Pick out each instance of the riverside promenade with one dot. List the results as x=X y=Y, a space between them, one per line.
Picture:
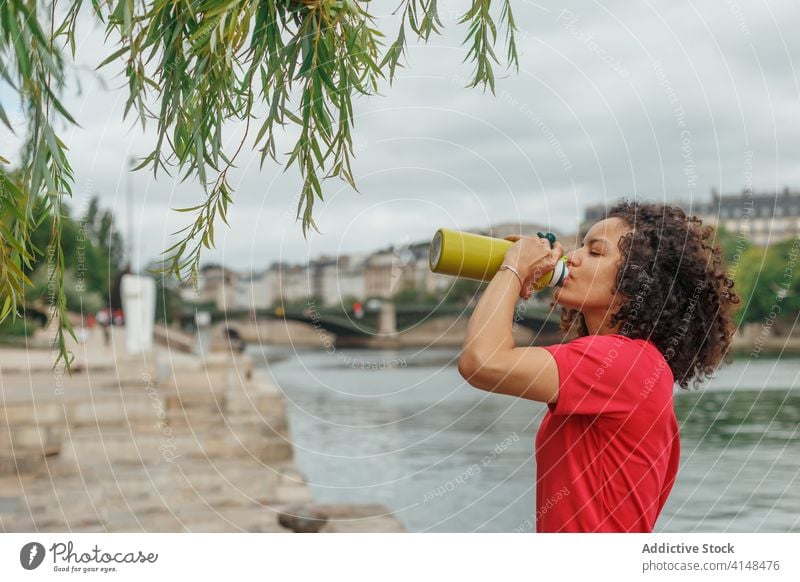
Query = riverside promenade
x=171 y=442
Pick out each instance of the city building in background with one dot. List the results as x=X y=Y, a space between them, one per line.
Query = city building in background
x=216 y=285
x=342 y=280
x=763 y=219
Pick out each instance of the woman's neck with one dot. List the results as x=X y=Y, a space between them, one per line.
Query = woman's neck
x=597 y=323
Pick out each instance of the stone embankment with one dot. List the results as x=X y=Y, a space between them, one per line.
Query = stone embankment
x=174 y=444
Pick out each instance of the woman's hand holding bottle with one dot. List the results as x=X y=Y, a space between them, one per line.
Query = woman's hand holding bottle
x=532 y=258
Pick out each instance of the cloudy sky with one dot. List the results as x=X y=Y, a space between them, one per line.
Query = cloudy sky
x=657 y=100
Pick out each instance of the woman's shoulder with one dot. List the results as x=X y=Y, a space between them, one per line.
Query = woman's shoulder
x=625 y=349
x=617 y=358
x=617 y=343
x=646 y=347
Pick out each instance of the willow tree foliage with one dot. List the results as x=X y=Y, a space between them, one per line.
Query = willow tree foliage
x=191 y=66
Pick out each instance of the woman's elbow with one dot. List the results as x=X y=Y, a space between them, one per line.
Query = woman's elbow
x=466 y=367
x=473 y=369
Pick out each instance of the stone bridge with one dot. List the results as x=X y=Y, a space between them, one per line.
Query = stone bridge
x=390 y=326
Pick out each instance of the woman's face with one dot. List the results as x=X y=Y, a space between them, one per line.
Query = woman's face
x=593 y=269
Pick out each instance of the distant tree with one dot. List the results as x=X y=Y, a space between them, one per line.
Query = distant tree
x=81 y=296
x=168 y=302
x=100 y=229
x=732 y=245
x=16 y=327
x=768 y=281
x=87 y=255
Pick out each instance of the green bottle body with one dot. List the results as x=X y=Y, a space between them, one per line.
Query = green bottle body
x=478 y=257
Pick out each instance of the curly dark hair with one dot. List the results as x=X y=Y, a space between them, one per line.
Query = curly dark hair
x=675 y=290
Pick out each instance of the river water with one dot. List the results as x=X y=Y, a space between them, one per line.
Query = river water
x=402 y=428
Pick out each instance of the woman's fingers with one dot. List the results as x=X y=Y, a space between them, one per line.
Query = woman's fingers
x=524 y=292
x=533 y=257
x=558 y=250
x=527 y=291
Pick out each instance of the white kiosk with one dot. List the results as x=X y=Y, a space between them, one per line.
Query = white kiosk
x=139 y=304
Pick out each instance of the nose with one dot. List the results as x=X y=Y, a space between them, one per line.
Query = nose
x=572 y=258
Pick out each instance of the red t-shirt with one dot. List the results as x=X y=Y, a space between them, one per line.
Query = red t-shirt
x=607 y=451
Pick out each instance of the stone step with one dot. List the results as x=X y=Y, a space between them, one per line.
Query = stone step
x=129 y=408
x=31 y=413
x=25 y=449
x=196 y=386
x=16 y=441
x=254 y=444
x=210 y=512
x=172 y=514
x=190 y=405
x=200 y=447
x=246 y=482
x=195 y=419
x=115 y=445
x=195 y=404
x=237 y=519
x=201 y=519
x=367 y=518
x=152 y=447
x=343 y=518
x=78 y=509
x=33 y=464
x=239 y=400
x=141 y=498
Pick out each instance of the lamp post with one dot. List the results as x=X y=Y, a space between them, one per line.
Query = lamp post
x=129 y=210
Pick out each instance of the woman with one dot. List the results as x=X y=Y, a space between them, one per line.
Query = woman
x=650 y=305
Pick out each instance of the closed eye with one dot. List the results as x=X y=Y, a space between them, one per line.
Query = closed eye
x=593 y=252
